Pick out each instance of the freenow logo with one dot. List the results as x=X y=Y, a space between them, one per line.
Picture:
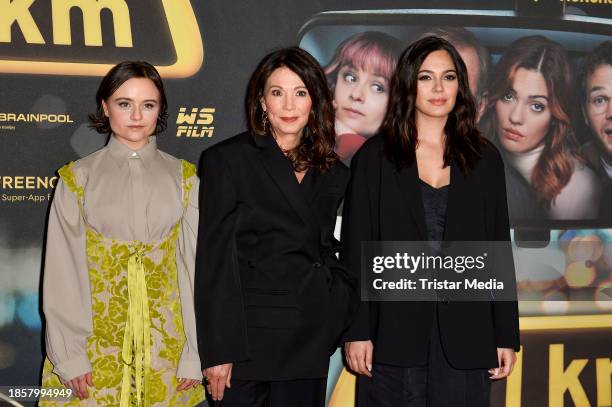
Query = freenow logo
x=88 y=37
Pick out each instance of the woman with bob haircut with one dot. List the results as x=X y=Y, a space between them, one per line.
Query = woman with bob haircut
x=359 y=74
x=120 y=258
x=428 y=176
x=528 y=116
x=271 y=297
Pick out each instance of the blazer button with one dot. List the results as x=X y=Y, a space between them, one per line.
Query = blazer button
x=444 y=300
x=316 y=265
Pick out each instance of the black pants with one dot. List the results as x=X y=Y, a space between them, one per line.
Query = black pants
x=436 y=385
x=294 y=393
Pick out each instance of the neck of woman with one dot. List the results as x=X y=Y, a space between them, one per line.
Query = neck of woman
x=525 y=162
x=430 y=129
x=287 y=141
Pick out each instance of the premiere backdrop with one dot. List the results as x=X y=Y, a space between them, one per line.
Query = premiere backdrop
x=53 y=54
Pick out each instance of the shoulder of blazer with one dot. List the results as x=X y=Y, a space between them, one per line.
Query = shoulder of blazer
x=371 y=150
x=230 y=146
x=491 y=163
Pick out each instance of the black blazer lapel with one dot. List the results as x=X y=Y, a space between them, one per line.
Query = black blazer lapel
x=280 y=170
x=408 y=183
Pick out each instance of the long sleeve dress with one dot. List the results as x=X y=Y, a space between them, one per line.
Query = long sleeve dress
x=118 y=277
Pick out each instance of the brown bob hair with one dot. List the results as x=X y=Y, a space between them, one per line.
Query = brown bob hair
x=463 y=144
x=117 y=76
x=316 y=147
x=537 y=53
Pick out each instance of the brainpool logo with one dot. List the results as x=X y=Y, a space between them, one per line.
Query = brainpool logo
x=21 y=22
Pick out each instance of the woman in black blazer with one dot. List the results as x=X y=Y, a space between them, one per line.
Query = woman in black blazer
x=271 y=297
x=429 y=176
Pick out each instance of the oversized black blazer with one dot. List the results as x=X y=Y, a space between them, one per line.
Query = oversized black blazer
x=385 y=204
x=270 y=294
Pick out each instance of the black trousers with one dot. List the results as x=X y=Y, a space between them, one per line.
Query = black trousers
x=294 y=393
x=437 y=384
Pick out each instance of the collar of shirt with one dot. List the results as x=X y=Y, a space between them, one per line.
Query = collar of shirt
x=121 y=153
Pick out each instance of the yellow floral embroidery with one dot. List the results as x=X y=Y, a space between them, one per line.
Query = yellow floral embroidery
x=108 y=262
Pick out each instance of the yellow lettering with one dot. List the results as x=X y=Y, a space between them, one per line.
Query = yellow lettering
x=514 y=382
x=7 y=182
x=42 y=182
x=18 y=181
x=560 y=379
x=18 y=11
x=92 y=24
x=3 y=117
x=12 y=117
x=604 y=385
x=183 y=117
x=21 y=118
x=206 y=115
x=29 y=182
x=53 y=182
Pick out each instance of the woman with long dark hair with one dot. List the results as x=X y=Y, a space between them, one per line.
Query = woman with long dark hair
x=428 y=176
x=120 y=258
x=528 y=115
x=271 y=297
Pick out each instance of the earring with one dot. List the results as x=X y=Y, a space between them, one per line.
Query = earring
x=264 y=120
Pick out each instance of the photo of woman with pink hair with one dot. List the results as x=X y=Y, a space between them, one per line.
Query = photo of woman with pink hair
x=359 y=74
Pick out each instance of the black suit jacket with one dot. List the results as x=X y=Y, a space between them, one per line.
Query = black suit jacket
x=385 y=204
x=270 y=294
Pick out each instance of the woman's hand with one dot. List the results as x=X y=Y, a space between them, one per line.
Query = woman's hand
x=359 y=356
x=79 y=384
x=186 y=384
x=505 y=359
x=217 y=377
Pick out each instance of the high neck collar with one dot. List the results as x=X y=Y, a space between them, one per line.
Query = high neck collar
x=121 y=153
x=525 y=162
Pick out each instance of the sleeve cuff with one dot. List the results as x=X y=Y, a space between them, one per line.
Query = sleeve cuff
x=71 y=368
x=189 y=369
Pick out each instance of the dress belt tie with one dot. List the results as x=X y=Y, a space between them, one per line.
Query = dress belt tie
x=137 y=335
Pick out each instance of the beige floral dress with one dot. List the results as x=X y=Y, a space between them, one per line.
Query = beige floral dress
x=118 y=278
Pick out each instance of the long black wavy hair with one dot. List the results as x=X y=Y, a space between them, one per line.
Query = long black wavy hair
x=463 y=143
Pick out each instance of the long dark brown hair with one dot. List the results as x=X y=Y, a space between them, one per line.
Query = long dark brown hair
x=117 y=76
x=316 y=147
x=536 y=53
x=463 y=142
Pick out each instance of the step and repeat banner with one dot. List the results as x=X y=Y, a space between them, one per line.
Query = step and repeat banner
x=53 y=54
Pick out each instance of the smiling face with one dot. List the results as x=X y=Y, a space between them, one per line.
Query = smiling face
x=287 y=102
x=598 y=106
x=437 y=85
x=523 y=113
x=360 y=99
x=132 y=111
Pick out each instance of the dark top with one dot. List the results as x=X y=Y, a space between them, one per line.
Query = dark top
x=384 y=203
x=434 y=203
x=270 y=294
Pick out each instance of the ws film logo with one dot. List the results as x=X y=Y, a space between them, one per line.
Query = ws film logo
x=53 y=51
x=197 y=123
